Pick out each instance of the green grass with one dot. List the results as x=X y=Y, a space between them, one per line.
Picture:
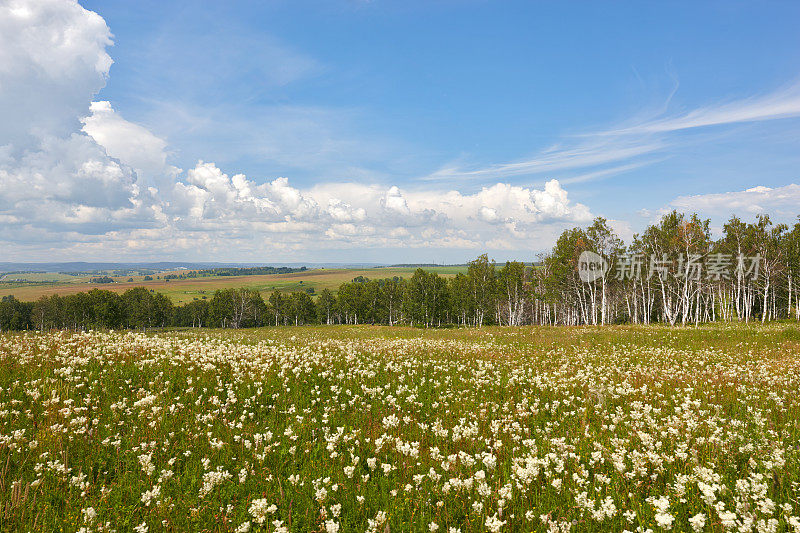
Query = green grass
x=540 y=423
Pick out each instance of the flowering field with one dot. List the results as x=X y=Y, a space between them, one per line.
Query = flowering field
x=392 y=429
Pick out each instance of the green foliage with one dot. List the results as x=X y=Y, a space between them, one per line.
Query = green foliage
x=251 y=271
x=14 y=315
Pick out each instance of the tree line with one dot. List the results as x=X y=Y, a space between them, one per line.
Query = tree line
x=674 y=272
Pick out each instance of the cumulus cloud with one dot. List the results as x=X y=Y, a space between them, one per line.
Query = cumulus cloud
x=370 y=214
x=52 y=177
x=132 y=144
x=52 y=60
x=344 y=212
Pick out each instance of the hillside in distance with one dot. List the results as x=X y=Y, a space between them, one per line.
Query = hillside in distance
x=180 y=288
x=84 y=266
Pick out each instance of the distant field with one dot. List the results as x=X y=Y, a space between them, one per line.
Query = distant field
x=186 y=290
x=41 y=277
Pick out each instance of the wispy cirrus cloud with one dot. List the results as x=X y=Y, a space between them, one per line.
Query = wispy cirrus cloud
x=608 y=172
x=631 y=142
x=783 y=103
x=585 y=155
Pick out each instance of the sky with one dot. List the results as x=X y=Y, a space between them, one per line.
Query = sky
x=391 y=132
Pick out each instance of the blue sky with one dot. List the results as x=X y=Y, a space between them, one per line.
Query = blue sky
x=634 y=108
x=423 y=84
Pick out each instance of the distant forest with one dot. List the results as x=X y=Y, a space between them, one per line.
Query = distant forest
x=234 y=271
x=673 y=272
x=251 y=271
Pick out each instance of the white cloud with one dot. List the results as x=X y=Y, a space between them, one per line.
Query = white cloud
x=52 y=60
x=488 y=214
x=344 y=212
x=509 y=202
x=640 y=142
x=366 y=215
x=582 y=155
x=132 y=144
x=783 y=103
x=78 y=181
x=782 y=203
x=394 y=201
x=622 y=228
x=55 y=180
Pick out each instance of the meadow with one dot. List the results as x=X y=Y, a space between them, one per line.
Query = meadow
x=376 y=429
